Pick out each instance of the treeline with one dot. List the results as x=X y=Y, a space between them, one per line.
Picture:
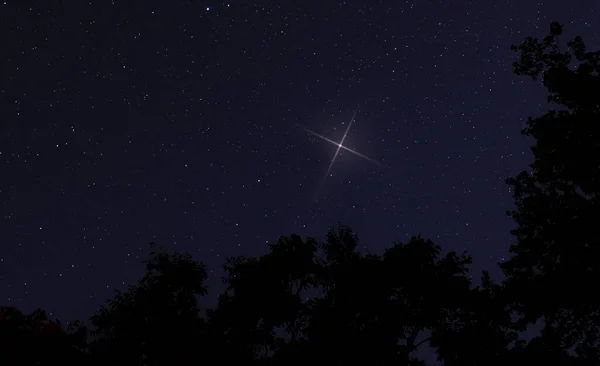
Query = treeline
x=322 y=301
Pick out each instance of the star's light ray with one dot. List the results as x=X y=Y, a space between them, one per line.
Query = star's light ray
x=339 y=146
x=342 y=146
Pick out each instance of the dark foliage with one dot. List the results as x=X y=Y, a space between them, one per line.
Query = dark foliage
x=32 y=339
x=307 y=300
x=555 y=266
x=156 y=321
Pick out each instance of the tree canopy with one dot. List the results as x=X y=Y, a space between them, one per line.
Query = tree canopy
x=310 y=300
x=554 y=267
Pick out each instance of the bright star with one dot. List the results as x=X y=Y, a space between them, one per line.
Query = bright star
x=340 y=145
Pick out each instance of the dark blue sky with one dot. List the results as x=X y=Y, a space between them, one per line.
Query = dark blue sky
x=127 y=122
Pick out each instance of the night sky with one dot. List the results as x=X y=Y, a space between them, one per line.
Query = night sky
x=184 y=122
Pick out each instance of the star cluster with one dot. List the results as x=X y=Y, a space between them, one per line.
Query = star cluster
x=127 y=122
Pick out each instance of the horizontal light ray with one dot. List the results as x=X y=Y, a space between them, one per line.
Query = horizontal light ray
x=339 y=145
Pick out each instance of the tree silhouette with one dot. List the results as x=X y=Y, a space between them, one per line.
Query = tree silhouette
x=305 y=300
x=265 y=295
x=155 y=322
x=32 y=339
x=555 y=264
x=482 y=331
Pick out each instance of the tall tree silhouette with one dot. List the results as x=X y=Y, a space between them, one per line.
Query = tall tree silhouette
x=555 y=266
x=264 y=295
x=306 y=301
x=380 y=309
x=155 y=322
x=481 y=332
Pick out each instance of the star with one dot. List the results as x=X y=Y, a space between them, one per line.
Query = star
x=340 y=145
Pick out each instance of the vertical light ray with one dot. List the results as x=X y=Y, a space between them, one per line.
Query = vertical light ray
x=339 y=147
